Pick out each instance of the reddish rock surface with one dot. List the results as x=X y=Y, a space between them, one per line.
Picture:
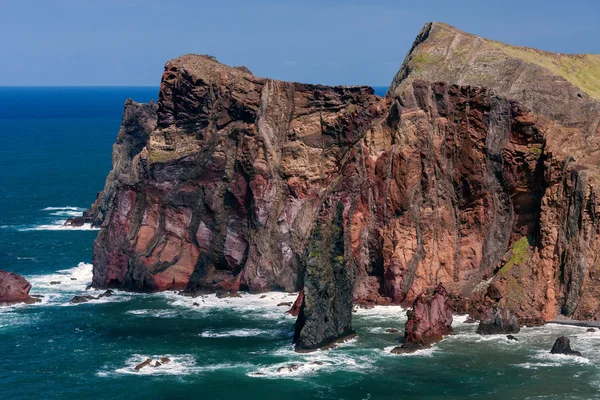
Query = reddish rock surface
x=429 y=320
x=221 y=184
x=14 y=289
x=295 y=310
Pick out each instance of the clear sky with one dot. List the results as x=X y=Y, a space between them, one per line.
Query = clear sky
x=127 y=42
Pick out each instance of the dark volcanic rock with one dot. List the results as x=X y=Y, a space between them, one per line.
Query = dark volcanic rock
x=14 y=289
x=82 y=299
x=497 y=321
x=563 y=346
x=145 y=363
x=326 y=312
x=428 y=321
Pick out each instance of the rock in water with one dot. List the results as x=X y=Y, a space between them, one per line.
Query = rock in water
x=563 y=346
x=326 y=312
x=498 y=321
x=14 y=289
x=428 y=321
x=511 y=337
x=145 y=363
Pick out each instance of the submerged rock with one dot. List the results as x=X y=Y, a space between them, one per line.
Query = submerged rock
x=562 y=345
x=14 y=289
x=285 y=304
x=82 y=299
x=497 y=321
x=590 y=330
x=428 y=321
x=86 y=298
x=143 y=364
x=392 y=330
x=511 y=337
x=149 y=362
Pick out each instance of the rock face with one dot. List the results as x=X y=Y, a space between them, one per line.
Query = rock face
x=498 y=321
x=563 y=346
x=478 y=169
x=326 y=311
x=14 y=289
x=429 y=320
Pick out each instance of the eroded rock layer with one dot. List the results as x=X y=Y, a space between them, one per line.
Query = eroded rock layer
x=221 y=185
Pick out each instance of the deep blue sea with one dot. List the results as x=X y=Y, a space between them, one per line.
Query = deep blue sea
x=55 y=150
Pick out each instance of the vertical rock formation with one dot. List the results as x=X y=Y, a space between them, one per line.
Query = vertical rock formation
x=326 y=311
x=429 y=320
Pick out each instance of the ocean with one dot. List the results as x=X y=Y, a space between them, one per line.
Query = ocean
x=54 y=157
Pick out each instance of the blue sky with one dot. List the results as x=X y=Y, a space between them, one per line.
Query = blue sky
x=127 y=42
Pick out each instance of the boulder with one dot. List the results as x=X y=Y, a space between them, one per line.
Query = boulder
x=498 y=321
x=563 y=346
x=14 y=289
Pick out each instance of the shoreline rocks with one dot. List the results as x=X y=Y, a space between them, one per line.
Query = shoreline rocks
x=14 y=289
x=498 y=321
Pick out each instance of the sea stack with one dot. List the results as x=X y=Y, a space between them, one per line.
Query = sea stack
x=429 y=320
x=326 y=312
x=562 y=345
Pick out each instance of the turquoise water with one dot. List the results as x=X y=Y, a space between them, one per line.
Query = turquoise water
x=55 y=154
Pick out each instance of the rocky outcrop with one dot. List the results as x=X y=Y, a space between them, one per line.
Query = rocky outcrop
x=498 y=321
x=478 y=171
x=563 y=346
x=326 y=312
x=137 y=123
x=429 y=320
x=14 y=289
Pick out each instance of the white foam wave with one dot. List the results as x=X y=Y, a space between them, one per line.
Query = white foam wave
x=154 y=313
x=251 y=306
x=428 y=352
x=387 y=313
x=66 y=208
x=178 y=365
x=66 y=280
x=58 y=226
x=236 y=333
x=301 y=364
x=67 y=213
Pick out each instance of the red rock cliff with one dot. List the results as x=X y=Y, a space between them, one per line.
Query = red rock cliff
x=438 y=182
